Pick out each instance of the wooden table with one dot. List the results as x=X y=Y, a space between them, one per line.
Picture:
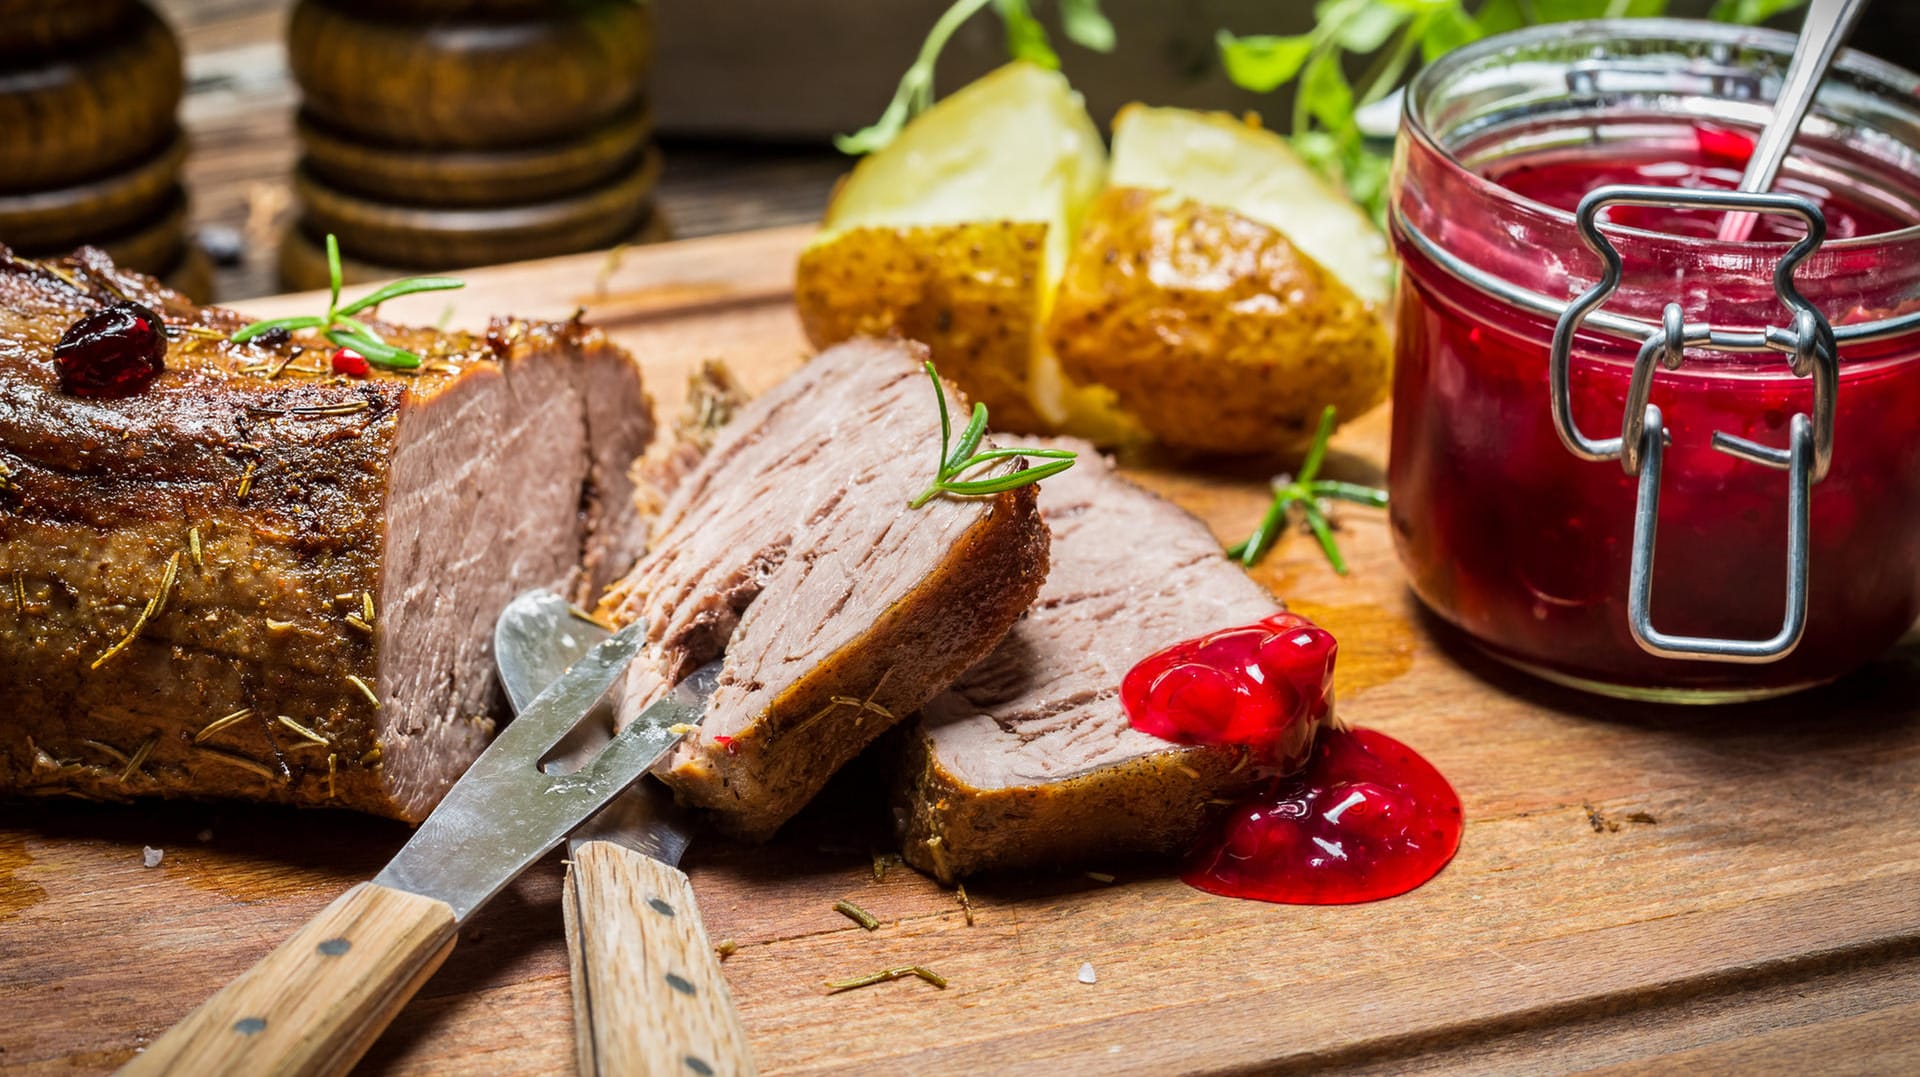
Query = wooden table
x=1725 y=890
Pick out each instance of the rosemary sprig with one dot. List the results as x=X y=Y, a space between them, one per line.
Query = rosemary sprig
x=957 y=460
x=1305 y=493
x=339 y=324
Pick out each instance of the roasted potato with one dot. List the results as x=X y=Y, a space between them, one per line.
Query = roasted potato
x=1222 y=290
x=956 y=234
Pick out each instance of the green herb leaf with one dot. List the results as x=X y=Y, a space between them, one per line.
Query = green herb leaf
x=1303 y=494
x=339 y=324
x=962 y=458
x=1263 y=62
x=970 y=438
x=1325 y=92
x=1026 y=38
x=915 y=91
x=1751 y=11
x=396 y=289
x=1086 y=25
x=1366 y=28
x=374 y=350
x=1448 y=29
x=333 y=274
x=248 y=332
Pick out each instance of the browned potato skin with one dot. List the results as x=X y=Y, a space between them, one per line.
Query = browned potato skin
x=970 y=292
x=1213 y=329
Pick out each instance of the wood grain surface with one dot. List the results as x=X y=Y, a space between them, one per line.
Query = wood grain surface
x=649 y=995
x=1717 y=890
x=315 y=1004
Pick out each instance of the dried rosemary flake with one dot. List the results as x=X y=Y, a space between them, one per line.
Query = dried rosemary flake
x=278 y=626
x=246 y=481
x=927 y=974
x=154 y=605
x=354 y=620
x=366 y=606
x=333 y=764
x=1188 y=771
x=242 y=762
x=1098 y=876
x=19 y=593
x=857 y=914
x=304 y=732
x=373 y=756
x=725 y=948
x=1245 y=758
x=139 y=758
x=347 y=407
x=107 y=750
x=966 y=906
x=193 y=547
x=365 y=689
x=222 y=722
x=937 y=849
x=882 y=862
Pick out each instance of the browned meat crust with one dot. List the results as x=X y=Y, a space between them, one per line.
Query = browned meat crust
x=259 y=580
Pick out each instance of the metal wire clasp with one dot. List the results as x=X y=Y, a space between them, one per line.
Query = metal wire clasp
x=1808 y=340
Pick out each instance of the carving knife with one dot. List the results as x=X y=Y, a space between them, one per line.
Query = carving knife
x=648 y=993
x=315 y=1005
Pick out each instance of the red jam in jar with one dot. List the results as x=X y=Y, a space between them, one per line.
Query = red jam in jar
x=1505 y=533
x=1358 y=817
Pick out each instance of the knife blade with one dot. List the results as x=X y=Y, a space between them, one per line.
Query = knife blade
x=315 y=1004
x=649 y=995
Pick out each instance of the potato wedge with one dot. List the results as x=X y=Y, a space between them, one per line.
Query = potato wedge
x=956 y=235
x=1222 y=290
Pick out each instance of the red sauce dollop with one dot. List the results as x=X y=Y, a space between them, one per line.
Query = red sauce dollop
x=1249 y=687
x=1366 y=819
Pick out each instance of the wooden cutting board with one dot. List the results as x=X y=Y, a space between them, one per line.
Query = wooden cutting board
x=1732 y=889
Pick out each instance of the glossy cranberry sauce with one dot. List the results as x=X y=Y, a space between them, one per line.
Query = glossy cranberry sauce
x=1366 y=819
x=1716 y=165
x=115 y=351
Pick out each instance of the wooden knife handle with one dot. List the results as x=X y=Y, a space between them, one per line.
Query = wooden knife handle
x=648 y=994
x=314 y=1005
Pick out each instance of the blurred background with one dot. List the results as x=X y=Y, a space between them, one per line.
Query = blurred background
x=216 y=141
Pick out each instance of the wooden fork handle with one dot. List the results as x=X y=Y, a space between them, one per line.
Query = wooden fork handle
x=313 y=1006
x=648 y=993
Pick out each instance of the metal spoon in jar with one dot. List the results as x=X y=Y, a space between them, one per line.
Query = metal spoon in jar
x=1826 y=28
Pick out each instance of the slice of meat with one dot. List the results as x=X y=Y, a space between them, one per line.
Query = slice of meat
x=790 y=549
x=323 y=557
x=1029 y=760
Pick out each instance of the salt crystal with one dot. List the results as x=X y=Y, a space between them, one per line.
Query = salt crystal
x=1086 y=973
x=151 y=856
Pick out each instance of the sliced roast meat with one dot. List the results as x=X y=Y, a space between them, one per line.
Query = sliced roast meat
x=1029 y=760
x=256 y=579
x=790 y=550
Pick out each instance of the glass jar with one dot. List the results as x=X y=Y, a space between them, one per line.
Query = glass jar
x=1530 y=548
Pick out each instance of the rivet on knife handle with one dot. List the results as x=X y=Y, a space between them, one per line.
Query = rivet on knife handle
x=649 y=996
x=313 y=1006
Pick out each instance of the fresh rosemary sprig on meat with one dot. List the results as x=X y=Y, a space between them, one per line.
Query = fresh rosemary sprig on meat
x=1306 y=492
x=964 y=457
x=339 y=324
